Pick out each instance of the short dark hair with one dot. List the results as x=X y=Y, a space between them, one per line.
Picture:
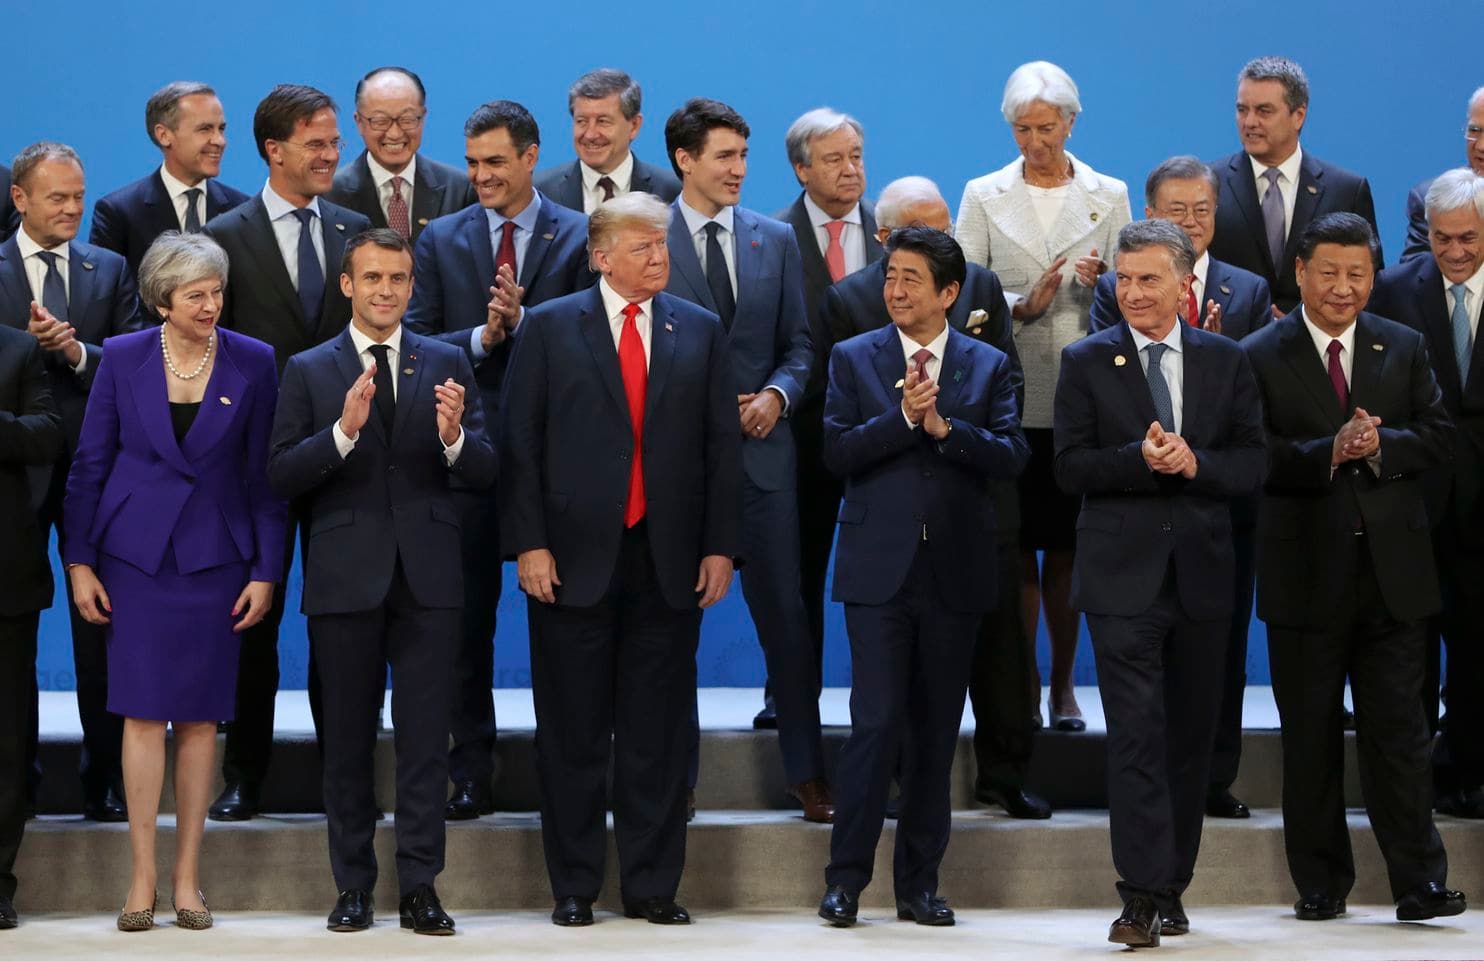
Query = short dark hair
x=422 y=93
x=605 y=82
x=383 y=237
x=1143 y=234
x=1283 y=70
x=283 y=109
x=31 y=157
x=944 y=256
x=507 y=114
x=1343 y=228
x=163 y=106
x=1179 y=168
x=687 y=127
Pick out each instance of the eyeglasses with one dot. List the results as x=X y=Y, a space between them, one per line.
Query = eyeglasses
x=1178 y=212
x=1472 y=132
x=408 y=121
x=319 y=146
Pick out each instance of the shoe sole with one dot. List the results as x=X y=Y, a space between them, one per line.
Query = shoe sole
x=435 y=932
x=934 y=923
x=569 y=923
x=836 y=922
x=1448 y=911
x=1131 y=939
x=346 y=928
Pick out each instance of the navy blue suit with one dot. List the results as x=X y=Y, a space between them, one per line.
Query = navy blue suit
x=564 y=184
x=437 y=191
x=915 y=568
x=9 y=218
x=613 y=660
x=128 y=220
x=382 y=585
x=1245 y=301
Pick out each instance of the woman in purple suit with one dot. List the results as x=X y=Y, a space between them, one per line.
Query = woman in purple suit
x=175 y=541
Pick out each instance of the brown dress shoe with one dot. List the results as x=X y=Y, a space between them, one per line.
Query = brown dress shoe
x=814 y=795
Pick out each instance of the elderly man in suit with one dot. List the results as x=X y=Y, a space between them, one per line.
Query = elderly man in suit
x=1158 y=429
x=281 y=243
x=1440 y=296
x=391 y=183
x=1419 y=243
x=185 y=120
x=1345 y=572
x=605 y=105
x=374 y=430
x=1226 y=300
x=70 y=296
x=477 y=272
x=1271 y=190
x=621 y=503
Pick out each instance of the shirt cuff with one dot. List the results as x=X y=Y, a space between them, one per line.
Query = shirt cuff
x=343 y=443
x=781 y=396
x=476 y=344
x=910 y=425
x=1373 y=461
x=82 y=362
x=452 y=451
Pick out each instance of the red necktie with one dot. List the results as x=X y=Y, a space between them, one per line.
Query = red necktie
x=506 y=253
x=635 y=383
x=1192 y=307
x=834 y=254
x=1337 y=377
x=919 y=361
x=396 y=210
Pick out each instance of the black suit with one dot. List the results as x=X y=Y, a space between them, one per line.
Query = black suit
x=30 y=435
x=9 y=218
x=1241 y=238
x=1345 y=580
x=564 y=184
x=128 y=220
x=261 y=302
x=437 y=190
x=1412 y=293
x=1417 y=239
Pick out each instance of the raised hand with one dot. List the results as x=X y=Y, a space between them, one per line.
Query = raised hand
x=357 y=407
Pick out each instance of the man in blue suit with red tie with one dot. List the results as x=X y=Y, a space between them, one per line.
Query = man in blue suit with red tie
x=919 y=420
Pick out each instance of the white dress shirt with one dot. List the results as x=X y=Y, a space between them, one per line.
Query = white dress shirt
x=36 y=275
x=1473 y=297
x=614 y=304
x=1171 y=366
x=345 y=444
x=852 y=238
x=622 y=177
x=177 y=191
x=936 y=347
x=382 y=177
x=1198 y=286
x=695 y=223
x=286 y=230
x=1288 y=178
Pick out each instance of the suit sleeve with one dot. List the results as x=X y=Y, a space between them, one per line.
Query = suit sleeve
x=97 y=447
x=1366 y=207
x=1104 y=312
x=269 y=511
x=425 y=309
x=997 y=449
x=476 y=465
x=522 y=438
x=1082 y=466
x=792 y=373
x=836 y=316
x=1262 y=306
x=1239 y=466
x=852 y=444
x=302 y=458
x=1427 y=439
x=722 y=535
x=110 y=230
x=34 y=436
x=971 y=228
x=125 y=315
x=1417 y=242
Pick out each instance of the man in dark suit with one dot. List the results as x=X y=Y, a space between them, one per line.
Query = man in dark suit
x=836 y=229
x=477 y=271
x=747 y=269
x=283 y=243
x=390 y=183
x=9 y=219
x=1002 y=684
x=919 y=421
x=605 y=107
x=1271 y=189
x=1345 y=572
x=1226 y=300
x=1158 y=429
x=1440 y=297
x=371 y=435
x=30 y=437
x=70 y=296
x=621 y=503
x=185 y=120
x=1418 y=242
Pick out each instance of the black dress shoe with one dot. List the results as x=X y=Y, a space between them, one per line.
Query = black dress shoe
x=353 y=911
x=572 y=912
x=839 y=907
x=421 y=912
x=8 y=917
x=1222 y=804
x=1431 y=900
x=1467 y=803
x=1173 y=920
x=926 y=909
x=1318 y=907
x=1017 y=801
x=108 y=809
x=767 y=718
x=657 y=911
x=238 y=802
x=468 y=802
x=1138 y=925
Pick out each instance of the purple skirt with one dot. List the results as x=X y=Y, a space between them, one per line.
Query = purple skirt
x=172 y=655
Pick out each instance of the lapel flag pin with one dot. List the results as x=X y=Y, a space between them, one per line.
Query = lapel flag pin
x=340 y=227
x=900 y=384
x=1119 y=360
x=1225 y=289
x=412 y=357
x=226 y=401
x=755 y=245
x=1094 y=216
x=87 y=265
x=1313 y=189
x=958 y=375
x=407 y=370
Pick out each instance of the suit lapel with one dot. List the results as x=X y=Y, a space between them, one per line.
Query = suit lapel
x=639 y=179
x=475 y=230
x=953 y=372
x=1013 y=214
x=427 y=195
x=14 y=285
x=225 y=395
x=216 y=199
x=749 y=253
x=1192 y=377
x=1367 y=367
x=1131 y=373
x=683 y=260
x=1433 y=306
x=81 y=287
x=1079 y=215
x=1218 y=288
x=1309 y=192
x=599 y=338
x=365 y=198
x=542 y=239
x=348 y=362
x=334 y=241
x=152 y=403
x=868 y=224
x=816 y=271
x=662 y=339
x=409 y=378
x=162 y=215
x=1298 y=351
x=890 y=363
x=1244 y=188
x=262 y=243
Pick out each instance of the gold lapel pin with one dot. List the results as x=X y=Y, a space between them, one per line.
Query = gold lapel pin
x=1225 y=289
x=900 y=384
x=1313 y=189
x=548 y=236
x=1119 y=360
x=1094 y=216
x=407 y=370
x=422 y=221
x=1377 y=347
x=226 y=401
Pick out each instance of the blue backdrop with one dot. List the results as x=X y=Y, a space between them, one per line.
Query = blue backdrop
x=1389 y=84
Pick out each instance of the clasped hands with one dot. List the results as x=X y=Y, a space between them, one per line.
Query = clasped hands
x=759 y=412
x=1357 y=440
x=537 y=573
x=54 y=334
x=920 y=404
x=357 y=409
x=1167 y=453
x=503 y=310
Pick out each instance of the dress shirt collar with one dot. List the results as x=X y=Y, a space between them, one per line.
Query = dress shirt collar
x=622 y=175
x=614 y=303
x=364 y=343
x=1321 y=339
x=382 y=176
x=818 y=218
x=278 y=208
x=29 y=247
x=1202 y=270
x=525 y=220
x=1172 y=339
x=695 y=221
x=1475 y=285
x=174 y=188
x=1288 y=168
x=936 y=346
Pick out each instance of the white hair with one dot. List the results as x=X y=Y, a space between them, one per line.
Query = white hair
x=1454 y=190
x=820 y=122
x=902 y=194
x=1043 y=81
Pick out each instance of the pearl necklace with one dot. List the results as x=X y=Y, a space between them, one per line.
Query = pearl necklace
x=170 y=363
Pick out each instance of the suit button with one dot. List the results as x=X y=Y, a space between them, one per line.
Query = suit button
x=1167 y=527
x=927 y=473
x=1355 y=471
x=391 y=469
x=920 y=518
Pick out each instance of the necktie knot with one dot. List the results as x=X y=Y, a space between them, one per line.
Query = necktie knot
x=1156 y=353
x=397 y=183
x=305 y=217
x=630 y=313
x=834 y=227
x=49 y=258
x=609 y=188
x=1334 y=348
x=1271 y=175
x=920 y=360
x=713 y=229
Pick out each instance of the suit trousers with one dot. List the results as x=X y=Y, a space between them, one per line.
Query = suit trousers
x=616 y=679
x=18 y=653
x=1383 y=659
x=1458 y=761
x=472 y=724
x=999 y=681
x=819 y=496
x=1226 y=758
x=1159 y=675
x=910 y=660
x=354 y=651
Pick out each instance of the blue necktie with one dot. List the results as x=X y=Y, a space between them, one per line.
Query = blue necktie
x=193 y=216
x=311 y=274
x=1463 y=338
x=1159 y=390
x=717 y=277
x=53 y=291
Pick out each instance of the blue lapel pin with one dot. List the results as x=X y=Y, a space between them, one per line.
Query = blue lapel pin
x=958 y=375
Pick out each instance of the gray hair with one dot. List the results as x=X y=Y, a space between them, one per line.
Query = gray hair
x=1283 y=70
x=1476 y=98
x=820 y=122
x=629 y=210
x=605 y=82
x=904 y=193
x=176 y=259
x=163 y=106
x=1142 y=234
x=30 y=157
x=1043 y=81
x=1454 y=190
x=1184 y=167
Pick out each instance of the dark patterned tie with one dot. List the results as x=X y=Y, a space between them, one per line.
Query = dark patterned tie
x=1337 y=377
x=1274 y=219
x=1159 y=388
x=193 y=216
x=718 y=278
x=311 y=274
x=396 y=210
x=53 y=291
x=385 y=399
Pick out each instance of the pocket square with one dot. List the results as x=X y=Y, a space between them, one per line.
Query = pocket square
x=977 y=319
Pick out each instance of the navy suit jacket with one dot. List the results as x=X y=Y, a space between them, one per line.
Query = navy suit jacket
x=567 y=444
x=128 y=220
x=768 y=343
x=455 y=268
x=564 y=184
x=10 y=219
x=437 y=191
x=1134 y=522
x=1246 y=303
x=1241 y=237
x=901 y=483
x=30 y=439
x=391 y=497
x=102 y=301
x=1417 y=240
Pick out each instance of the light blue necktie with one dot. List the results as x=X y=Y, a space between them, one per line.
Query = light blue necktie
x=1463 y=338
x=1159 y=390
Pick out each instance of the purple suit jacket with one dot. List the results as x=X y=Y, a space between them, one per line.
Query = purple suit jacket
x=134 y=492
